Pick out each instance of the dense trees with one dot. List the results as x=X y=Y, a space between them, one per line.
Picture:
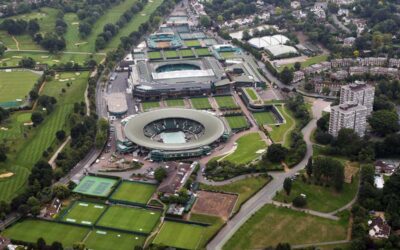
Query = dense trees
x=4 y=113
x=287 y=185
x=160 y=174
x=328 y=171
x=27 y=62
x=286 y=76
x=229 y=9
x=37 y=118
x=384 y=122
x=276 y=153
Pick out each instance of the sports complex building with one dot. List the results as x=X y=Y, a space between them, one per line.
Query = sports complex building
x=172 y=133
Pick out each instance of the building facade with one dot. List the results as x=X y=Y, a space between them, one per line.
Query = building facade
x=350 y=115
x=358 y=92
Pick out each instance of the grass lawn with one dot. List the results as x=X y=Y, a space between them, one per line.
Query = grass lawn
x=27 y=143
x=82 y=212
x=186 y=53
x=129 y=218
x=192 y=43
x=227 y=55
x=201 y=103
x=100 y=239
x=226 y=102
x=16 y=84
x=266 y=117
x=310 y=61
x=180 y=235
x=202 y=52
x=154 y=55
x=281 y=133
x=31 y=230
x=247 y=147
x=134 y=192
x=209 y=231
x=171 y=54
x=175 y=103
x=323 y=199
x=251 y=93
x=150 y=105
x=237 y=122
x=245 y=188
x=271 y=225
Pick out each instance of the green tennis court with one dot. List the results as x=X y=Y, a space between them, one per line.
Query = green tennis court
x=135 y=192
x=82 y=212
x=200 y=103
x=179 y=235
x=130 y=218
x=226 y=102
x=95 y=186
x=237 y=122
x=99 y=239
x=266 y=117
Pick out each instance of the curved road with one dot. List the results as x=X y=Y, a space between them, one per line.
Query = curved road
x=265 y=195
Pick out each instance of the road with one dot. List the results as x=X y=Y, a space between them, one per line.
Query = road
x=265 y=195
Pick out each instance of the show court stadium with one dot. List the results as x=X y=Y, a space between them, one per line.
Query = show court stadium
x=173 y=133
x=174 y=78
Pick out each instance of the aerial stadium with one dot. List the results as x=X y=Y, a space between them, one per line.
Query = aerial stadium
x=174 y=132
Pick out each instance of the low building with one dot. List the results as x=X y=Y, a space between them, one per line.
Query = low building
x=382 y=167
x=116 y=104
x=378 y=228
x=298 y=76
x=349 y=41
x=177 y=175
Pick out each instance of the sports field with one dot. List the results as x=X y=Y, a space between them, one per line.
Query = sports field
x=100 y=239
x=16 y=84
x=226 y=102
x=186 y=53
x=130 y=218
x=249 y=147
x=135 y=192
x=170 y=54
x=82 y=212
x=202 y=52
x=95 y=186
x=227 y=55
x=175 y=103
x=150 y=105
x=201 y=103
x=266 y=117
x=180 y=235
x=237 y=122
x=153 y=55
x=251 y=93
x=192 y=43
x=31 y=230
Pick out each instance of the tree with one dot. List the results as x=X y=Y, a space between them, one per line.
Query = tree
x=60 y=135
x=61 y=191
x=287 y=185
x=3 y=152
x=56 y=246
x=41 y=244
x=283 y=246
x=309 y=167
x=160 y=173
x=299 y=201
x=384 y=122
x=297 y=65
x=286 y=76
x=2 y=49
x=37 y=118
x=33 y=27
x=79 y=246
x=27 y=62
x=205 y=21
x=276 y=153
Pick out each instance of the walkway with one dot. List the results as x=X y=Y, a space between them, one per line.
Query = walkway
x=54 y=157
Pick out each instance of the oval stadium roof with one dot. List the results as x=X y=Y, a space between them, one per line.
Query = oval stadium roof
x=213 y=128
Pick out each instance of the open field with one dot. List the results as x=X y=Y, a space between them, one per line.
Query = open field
x=271 y=225
x=215 y=204
x=192 y=43
x=82 y=212
x=134 y=192
x=16 y=84
x=28 y=144
x=31 y=230
x=245 y=188
x=247 y=149
x=310 y=61
x=319 y=198
x=226 y=102
x=281 y=133
x=95 y=186
x=170 y=54
x=153 y=55
x=131 y=219
x=179 y=235
x=200 y=103
x=202 y=52
x=266 y=117
x=215 y=223
x=175 y=103
x=237 y=122
x=146 y=106
x=100 y=239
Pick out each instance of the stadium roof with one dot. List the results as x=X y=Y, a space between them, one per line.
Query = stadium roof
x=213 y=128
x=117 y=103
x=278 y=50
x=267 y=41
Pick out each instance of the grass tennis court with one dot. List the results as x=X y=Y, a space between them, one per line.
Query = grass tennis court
x=146 y=106
x=237 y=122
x=31 y=230
x=171 y=54
x=201 y=103
x=95 y=186
x=226 y=102
x=16 y=84
x=180 y=235
x=227 y=55
x=175 y=103
x=266 y=117
x=134 y=192
x=251 y=93
x=100 y=239
x=247 y=149
x=129 y=218
x=186 y=53
x=82 y=212
x=192 y=43
x=202 y=52
x=153 y=55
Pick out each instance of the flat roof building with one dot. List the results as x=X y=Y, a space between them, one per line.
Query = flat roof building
x=117 y=105
x=350 y=115
x=358 y=92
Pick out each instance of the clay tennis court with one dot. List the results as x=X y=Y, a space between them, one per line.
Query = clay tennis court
x=217 y=204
